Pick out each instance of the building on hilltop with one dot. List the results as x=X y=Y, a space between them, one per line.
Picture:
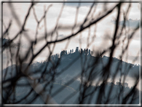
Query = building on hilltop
x=126 y=84
x=76 y=49
x=64 y=52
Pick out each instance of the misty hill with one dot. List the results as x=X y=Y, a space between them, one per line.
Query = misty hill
x=75 y=61
x=69 y=66
x=70 y=94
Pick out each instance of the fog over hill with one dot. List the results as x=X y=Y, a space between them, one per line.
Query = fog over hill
x=69 y=80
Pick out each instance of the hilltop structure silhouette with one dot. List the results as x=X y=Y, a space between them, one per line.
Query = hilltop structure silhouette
x=71 y=53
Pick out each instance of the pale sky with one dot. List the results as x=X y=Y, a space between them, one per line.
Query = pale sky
x=104 y=27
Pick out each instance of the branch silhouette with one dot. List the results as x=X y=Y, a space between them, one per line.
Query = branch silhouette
x=88 y=65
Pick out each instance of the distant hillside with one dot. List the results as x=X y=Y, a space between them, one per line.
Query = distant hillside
x=76 y=62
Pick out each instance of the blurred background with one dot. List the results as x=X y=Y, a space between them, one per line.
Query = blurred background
x=71 y=52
